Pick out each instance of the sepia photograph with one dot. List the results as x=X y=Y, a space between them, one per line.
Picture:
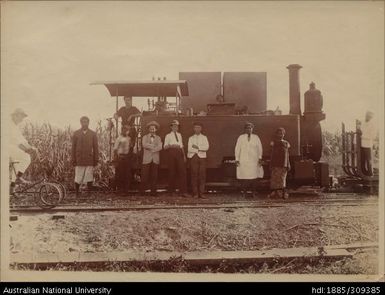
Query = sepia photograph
x=192 y=141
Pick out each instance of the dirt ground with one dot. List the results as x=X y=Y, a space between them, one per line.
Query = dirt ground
x=294 y=225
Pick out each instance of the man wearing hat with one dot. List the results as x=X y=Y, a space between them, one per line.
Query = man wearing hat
x=20 y=149
x=85 y=154
x=152 y=145
x=198 y=145
x=176 y=159
x=248 y=156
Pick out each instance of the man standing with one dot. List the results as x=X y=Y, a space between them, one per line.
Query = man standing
x=85 y=154
x=123 y=167
x=198 y=145
x=152 y=145
x=176 y=159
x=368 y=133
x=20 y=149
x=248 y=156
x=128 y=113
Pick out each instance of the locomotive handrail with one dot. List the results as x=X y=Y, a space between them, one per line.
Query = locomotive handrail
x=137 y=124
x=346 y=151
x=349 y=153
x=352 y=155
x=343 y=134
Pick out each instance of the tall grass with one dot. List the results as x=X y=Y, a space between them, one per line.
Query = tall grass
x=54 y=153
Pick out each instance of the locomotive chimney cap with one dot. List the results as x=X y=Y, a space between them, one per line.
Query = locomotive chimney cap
x=294 y=66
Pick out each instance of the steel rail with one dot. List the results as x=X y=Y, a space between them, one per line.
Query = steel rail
x=216 y=206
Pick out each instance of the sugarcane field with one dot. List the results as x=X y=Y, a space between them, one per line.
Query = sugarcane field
x=127 y=148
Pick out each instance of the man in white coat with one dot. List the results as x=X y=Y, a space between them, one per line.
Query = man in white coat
x=248 y=156
x=368 y=132
x=20 y=150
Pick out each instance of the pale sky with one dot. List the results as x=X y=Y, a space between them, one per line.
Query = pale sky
x=51 y=51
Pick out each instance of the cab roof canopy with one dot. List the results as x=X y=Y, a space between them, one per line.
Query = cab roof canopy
x=150 y=88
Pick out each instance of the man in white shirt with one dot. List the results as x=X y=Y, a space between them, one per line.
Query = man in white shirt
x=176 y=157
x=248 y=157
x=198 y=145
x=368 y=134
x=20 y=149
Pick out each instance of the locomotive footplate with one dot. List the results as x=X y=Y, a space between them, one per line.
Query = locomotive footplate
x=358 y=185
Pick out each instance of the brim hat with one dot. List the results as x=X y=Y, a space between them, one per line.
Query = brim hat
x=20 y=112
x=153 y=123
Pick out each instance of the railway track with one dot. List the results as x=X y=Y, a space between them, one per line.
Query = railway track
x=197 y=258
x=284 y=258
x=265 y=203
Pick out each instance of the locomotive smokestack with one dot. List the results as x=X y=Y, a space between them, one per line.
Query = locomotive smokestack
x=294 y=91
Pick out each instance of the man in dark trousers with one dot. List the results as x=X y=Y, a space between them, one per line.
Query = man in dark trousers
x=152 y=145
x=176 y=160
x=128 y=113
x=198 y=145
x=85 y=154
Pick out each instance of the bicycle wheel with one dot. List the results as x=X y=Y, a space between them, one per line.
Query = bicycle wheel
x=50 y=195
x=62 y=187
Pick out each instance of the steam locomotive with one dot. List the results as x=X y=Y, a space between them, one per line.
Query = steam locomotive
x=223 y=102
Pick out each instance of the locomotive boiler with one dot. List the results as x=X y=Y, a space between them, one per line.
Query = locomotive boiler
x=223 y=102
